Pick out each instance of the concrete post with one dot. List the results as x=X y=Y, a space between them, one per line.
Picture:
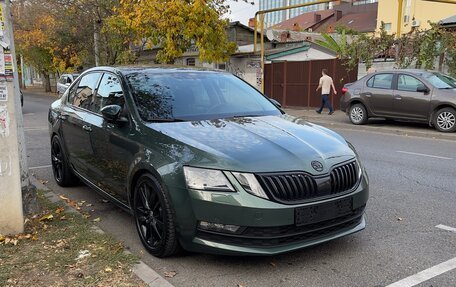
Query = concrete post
x=13 y=166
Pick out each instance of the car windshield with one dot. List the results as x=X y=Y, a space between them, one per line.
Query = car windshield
x=441 y=81
x=195 y=95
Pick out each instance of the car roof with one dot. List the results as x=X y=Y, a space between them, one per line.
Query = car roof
x=418 y=72
x=154 y=69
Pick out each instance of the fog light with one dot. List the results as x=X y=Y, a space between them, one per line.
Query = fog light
x=218 y=227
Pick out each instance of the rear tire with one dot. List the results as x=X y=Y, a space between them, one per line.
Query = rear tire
x=358 y=114
x=445 y=120
x=61 y=169
x=154 y=217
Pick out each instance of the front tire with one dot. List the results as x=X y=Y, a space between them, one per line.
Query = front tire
x=154 y=217
x=358 y=114
x=61 y=169
x=445 y=120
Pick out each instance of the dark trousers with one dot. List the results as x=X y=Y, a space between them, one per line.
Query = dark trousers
x=325 y=102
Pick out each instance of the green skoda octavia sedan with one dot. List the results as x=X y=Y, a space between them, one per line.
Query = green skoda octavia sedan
x=206 y=163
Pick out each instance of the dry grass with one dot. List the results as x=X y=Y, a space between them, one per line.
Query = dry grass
x=46 y=255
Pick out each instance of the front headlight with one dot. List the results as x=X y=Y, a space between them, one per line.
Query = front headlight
x=249 y=182
x=206 y=179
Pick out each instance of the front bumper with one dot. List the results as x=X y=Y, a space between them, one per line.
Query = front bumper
x=267 y=227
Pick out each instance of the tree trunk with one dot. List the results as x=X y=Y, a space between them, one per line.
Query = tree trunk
x=47 y=82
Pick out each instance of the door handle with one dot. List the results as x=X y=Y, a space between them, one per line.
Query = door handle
x=87 y=128
x=368 y=95
x=397 y=97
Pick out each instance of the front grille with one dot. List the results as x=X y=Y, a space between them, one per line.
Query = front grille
x=296 y=187
x=344 y=177
x=283 y=235
x=289 y=186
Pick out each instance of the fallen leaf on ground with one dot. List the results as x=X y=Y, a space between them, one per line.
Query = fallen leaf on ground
x=83 y=254
x=399 y=219
x=2 y=238
x=97 y=219
x=59 y=210
x=63 y=217
x=108 y=269
x=104 y=201
x=89 y=204
x=43 y=181
x=46 y=217
x=272 y=264
x=170 y=274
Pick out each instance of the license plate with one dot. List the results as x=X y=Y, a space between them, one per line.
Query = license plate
x=321 y=212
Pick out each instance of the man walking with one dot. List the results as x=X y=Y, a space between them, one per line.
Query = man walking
x=326 y=82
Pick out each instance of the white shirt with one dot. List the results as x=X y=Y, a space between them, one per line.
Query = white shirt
x=326 y=82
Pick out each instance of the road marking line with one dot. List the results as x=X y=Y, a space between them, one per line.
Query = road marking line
x=426 y=274
x=422 y=154
x=447 y=228
x=41 y=166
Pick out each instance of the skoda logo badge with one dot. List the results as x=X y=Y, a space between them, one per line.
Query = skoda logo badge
x=318 y=166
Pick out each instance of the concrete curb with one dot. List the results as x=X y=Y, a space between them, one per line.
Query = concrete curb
x=141 y=269
x=382 y=130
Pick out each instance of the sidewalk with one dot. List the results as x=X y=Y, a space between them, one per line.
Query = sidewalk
x=339 y=120
x=38 y=90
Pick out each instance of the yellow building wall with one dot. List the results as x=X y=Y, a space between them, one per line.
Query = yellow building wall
x=421 y=10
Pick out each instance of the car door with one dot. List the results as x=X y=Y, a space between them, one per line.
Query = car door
x=74 y=130
x=378 y=94
x=408 y=102
x=113 y=148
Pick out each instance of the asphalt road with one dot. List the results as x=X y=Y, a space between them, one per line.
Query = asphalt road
x=412 y=190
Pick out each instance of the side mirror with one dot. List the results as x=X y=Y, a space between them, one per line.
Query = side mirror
x=276 y=103
x=422 y=89
x=111 y=113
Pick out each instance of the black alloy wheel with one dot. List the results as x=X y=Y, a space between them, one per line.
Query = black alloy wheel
x=154 y=217
x=63 y=174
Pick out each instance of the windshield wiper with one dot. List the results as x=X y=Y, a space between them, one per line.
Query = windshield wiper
x=448 y=88
x=163 y=120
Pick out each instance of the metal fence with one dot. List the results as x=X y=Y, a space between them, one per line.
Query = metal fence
x=293 y=84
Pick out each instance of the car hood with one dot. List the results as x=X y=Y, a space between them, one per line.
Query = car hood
x=258 y=144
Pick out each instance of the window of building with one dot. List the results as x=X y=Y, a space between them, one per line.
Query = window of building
x=190 y=61
x=387 y=26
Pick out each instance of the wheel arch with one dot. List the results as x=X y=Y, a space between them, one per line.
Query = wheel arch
x=136 y=173
x=437 y=108
x=359 y=101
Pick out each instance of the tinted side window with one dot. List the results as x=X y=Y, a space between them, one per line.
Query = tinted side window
x=408 y=83
x=381 y=81
x=109 y=93
x=85 y=91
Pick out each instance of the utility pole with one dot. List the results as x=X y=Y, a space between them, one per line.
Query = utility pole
x=261 y=14
x=13 y=166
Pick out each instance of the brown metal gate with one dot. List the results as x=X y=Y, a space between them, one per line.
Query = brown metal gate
x=293 y=84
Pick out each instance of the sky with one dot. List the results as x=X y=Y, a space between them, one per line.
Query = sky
x=241 y=11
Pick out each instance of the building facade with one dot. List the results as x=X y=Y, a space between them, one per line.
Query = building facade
x=280 y=16
x=415 y=14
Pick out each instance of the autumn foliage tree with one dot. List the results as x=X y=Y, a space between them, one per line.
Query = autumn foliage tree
x=174 y=26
